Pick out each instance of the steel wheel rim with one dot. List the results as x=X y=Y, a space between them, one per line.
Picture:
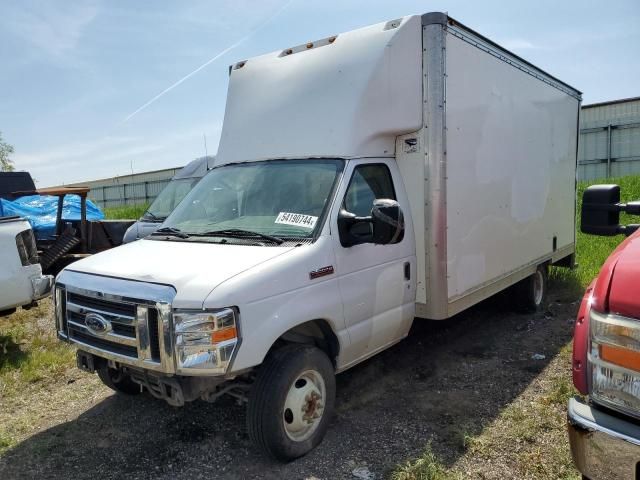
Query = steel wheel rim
x=304 y=406
x=538 y=287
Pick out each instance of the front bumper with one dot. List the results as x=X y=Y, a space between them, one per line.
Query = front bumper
x=603 y=446
x=133 y=326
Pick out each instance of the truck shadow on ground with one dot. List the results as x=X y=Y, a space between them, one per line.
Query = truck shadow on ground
x=445 y=381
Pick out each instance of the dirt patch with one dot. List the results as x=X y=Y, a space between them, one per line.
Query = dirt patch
x=447 y=384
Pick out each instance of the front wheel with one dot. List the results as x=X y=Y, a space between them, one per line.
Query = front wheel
x=291 y=401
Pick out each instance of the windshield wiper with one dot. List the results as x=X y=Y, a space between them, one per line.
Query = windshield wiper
x=239 y=233
x=153 y=217
x=171 y=231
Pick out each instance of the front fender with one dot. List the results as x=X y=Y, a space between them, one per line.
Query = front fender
x=264 y=321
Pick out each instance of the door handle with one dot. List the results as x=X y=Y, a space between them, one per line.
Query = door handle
x=407 y=271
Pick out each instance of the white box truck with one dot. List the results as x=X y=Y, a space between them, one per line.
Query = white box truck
x=408 y=169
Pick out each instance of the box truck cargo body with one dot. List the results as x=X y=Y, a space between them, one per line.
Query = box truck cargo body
x=485 y=142
x=407 y=169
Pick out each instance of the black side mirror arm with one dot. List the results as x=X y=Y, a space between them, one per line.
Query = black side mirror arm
x=631 y=208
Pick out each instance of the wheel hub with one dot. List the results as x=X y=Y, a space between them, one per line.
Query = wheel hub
x=538 y=287
x=312 y=408
x=304 y=405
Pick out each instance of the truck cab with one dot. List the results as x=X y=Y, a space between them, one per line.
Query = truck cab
x=604 y=428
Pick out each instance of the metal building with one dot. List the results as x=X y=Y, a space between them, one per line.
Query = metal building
x=609 y=139
x=134 y=189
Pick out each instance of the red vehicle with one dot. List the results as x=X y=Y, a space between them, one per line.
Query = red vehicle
x=604 y=430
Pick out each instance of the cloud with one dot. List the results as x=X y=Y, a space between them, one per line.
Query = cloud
x=51 y=28
x=64 y=153
x=115 y=155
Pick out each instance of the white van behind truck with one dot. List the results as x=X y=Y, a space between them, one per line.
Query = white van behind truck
x=408 y=169
x=170 y=196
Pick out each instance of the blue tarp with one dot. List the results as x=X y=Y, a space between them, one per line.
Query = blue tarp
x=40 y=211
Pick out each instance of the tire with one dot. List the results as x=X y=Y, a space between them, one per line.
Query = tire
x=531 y=293
x=294 y=381
x=116 y=380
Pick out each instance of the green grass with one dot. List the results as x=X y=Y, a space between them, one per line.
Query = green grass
x=427 y=467
x=31 y=357
x=126 y=212
x=593 y=250
x=29 y=349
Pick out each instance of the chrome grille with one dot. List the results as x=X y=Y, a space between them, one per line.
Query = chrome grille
x=99 y=304
x=130 y=321
x=87 y=339
x=123 y=337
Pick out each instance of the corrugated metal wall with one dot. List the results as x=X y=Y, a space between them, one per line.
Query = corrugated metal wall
x=609 y=140
x=129 y=189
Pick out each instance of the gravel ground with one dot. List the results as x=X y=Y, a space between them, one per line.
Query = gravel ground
x=446 y=381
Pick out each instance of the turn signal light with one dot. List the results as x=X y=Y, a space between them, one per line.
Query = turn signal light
x=620 y=356
x=225 y=334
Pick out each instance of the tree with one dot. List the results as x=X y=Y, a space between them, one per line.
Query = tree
x=6 y=164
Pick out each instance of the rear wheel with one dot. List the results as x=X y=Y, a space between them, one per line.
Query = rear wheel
x=291 y=401
x=118 y=381
x=531 y=293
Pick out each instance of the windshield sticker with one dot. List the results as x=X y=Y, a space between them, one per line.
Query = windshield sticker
x=297 y=219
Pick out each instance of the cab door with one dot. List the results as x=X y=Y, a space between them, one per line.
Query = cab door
x=377 y=282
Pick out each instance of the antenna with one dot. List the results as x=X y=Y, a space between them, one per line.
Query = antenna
x=206 y=153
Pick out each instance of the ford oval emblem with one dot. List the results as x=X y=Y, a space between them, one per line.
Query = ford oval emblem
x=97 y=324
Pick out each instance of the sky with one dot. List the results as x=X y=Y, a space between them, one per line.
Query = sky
x=98 y=88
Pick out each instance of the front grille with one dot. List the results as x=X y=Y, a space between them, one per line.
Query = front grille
x=123 y=336
x=117 y=328
x=154 y=339
x=87 y=339
x=107 y=306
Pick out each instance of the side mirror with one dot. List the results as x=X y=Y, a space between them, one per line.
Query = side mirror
x=385 y=225
x=600 y=213
x=601 y=209
x=388 y=222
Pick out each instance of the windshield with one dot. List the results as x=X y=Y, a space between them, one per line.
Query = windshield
x=283 y=198
x=169 y=198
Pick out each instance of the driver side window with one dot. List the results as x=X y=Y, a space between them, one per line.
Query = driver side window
x=368 y=183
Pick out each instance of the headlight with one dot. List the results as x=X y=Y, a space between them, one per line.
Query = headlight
x=615 y=361
x=205 y=340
